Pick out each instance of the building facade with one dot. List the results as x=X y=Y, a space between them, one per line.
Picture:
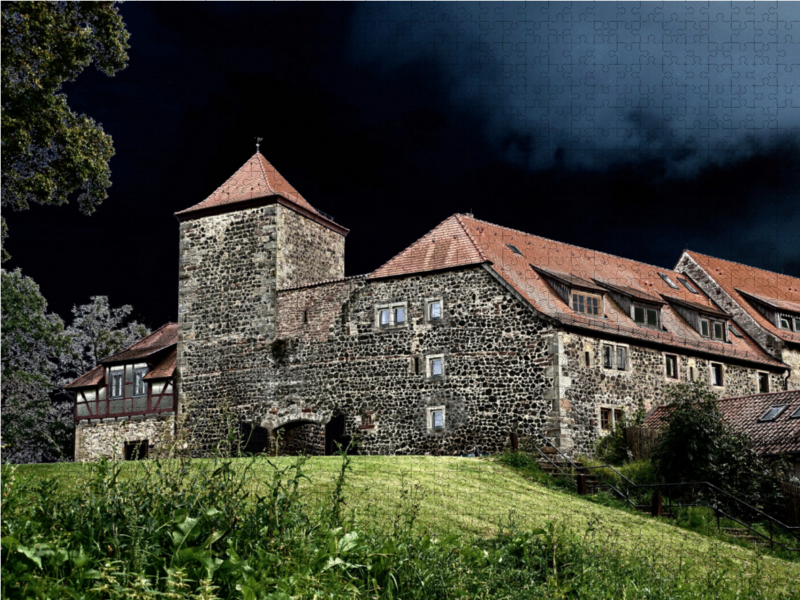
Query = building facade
x=473 y=333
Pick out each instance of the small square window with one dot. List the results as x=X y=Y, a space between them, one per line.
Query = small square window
x=605 y=419
x=652 y=317
x=436 y=367
x=672 y=366
x=773 y=413
x=622 y=358
x=719 y=331
x=399 y=315
x=385 y=317
x=647 y=317
x=763 y=383
x=139 y=384
x=784 y=323
x=436 y=418
x=435 y=310
x=716 y=374
x=704 y=328
x=579 y=303
x=117 y=384
x=367 y=420
x=585 y=304
x=638 y=315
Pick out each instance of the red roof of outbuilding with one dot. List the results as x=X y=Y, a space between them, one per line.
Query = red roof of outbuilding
x=462 y=240
x=165 y=368
x=781 y=291
x=164 y=336
x=254 y=180
x=89 y=379
x=779 y=436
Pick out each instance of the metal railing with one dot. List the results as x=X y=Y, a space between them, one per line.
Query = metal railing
x=771 y=521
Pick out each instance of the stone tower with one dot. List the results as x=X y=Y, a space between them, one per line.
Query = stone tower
x=254 y=235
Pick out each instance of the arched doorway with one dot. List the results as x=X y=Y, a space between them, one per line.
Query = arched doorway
x=253 y=439
x=299 y=437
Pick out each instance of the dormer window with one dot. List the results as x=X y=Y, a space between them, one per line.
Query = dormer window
x=786 y=321
x=646 y=316
x=139 y=384
x=712 y=329
x=668 y=281
x=586 y=303
x=117 y=383
x=688 y=285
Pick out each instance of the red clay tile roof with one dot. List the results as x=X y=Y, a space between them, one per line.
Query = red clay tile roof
x=743 y=413
x=89 y=379
x=710 y=310
x=782 y=291
x=161 y=338
x=448 y=245
x=165 y=368
x=462 y=240
x=257 y=178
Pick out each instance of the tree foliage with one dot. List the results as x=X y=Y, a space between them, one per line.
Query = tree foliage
x=34 y=429
x=97 y=332
x=48 y=150
x=699 y=445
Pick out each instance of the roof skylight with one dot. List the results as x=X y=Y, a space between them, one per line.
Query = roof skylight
x=688 y=285
x=514 y=249
x=773 y=413
x=734 y=331
x=795 y=414
x=669 y=281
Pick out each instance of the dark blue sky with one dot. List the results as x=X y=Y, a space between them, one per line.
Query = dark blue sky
x=636 y=130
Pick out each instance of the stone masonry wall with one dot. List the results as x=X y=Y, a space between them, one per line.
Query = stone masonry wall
x=307 y=251
x=641 y=387
x=106 y=438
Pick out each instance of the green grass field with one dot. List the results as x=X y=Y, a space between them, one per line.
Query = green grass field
x=482 y=497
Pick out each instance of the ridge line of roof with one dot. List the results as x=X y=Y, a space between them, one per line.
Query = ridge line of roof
x=759 y=394
x=575 y=246
x=733 y=262
x=470 y=238
x=324 y=282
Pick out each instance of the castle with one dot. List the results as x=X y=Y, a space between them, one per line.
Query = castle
x=473 y=333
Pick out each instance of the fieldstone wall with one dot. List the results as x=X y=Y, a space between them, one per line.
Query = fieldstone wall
x=642 y=387
x=106 y=438
x=304 y=438
x=307 y=251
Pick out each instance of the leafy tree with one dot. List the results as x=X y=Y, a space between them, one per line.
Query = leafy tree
x=97 y=332
x=48 y=150
x=699 y=445
x=34 y=429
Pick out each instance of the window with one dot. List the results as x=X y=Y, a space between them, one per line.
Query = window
x=615 y=357
x=719 y=331
x=668 y=281
x=691 y=373
x=784 y=322
x=416 y=365
x=688 y=285
x=434 y=310
x=587 y=357
x=773 y=413
x=117 y=382
x=367 y=420
x=514 y=249
x=716 y=374
x=436 y=366
x=583 y=303
x=305 y=316
x=646 y=317
x=391 y=315
x=611 y=417
x=672 y=366
x=734 y=331
x=797 y=324
x=705 y=328
x=436 y=418
x=139 y=384
x=763 y=383
x=795 y=414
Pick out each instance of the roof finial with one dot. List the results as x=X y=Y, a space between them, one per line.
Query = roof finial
x=258 y=142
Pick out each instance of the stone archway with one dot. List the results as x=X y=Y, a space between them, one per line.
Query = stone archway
x=299 y=437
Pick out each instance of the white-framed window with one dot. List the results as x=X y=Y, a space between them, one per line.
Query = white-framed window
x=434 y=309
x=646 y=316
x=139 y=384
x=610 y=417
x=391 y=315
x=588 y=304
x=435 y=366
x=717 y=376
x=436 y=418
x=116 y=382
x=789 y=322
x=671 y=366
x=615 y=357
x=710 y=328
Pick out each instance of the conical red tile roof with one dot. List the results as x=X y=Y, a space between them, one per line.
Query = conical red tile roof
x=257 y=178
